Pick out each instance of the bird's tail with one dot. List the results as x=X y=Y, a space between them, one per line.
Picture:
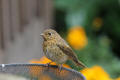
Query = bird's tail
x=78 y=63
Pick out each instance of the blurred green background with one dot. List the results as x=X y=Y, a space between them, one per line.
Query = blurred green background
x=101 y=21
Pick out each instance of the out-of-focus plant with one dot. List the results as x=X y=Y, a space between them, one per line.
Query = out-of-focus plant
x=118 y=78
x=97 y=23
x=77 y=37
x=101 y=21
x=95 y=73
x=98 y=52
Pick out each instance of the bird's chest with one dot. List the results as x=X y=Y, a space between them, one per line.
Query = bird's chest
x=54 y=53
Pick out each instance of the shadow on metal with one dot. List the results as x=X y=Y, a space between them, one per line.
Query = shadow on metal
x=39 y=72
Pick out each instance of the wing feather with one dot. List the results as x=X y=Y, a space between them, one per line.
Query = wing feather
x=68 y=51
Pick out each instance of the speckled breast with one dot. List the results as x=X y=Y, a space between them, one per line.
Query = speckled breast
x=54 y=53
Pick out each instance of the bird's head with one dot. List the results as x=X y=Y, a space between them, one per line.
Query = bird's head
x=49 y=34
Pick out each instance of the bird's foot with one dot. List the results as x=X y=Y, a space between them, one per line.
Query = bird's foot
x=60 y=68
x=48 y=64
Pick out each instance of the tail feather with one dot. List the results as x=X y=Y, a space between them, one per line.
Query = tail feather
x=78 y=63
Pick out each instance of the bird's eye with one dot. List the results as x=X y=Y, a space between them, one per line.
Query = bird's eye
x=49 y=34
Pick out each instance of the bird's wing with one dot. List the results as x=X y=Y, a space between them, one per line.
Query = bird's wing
x=69 y=52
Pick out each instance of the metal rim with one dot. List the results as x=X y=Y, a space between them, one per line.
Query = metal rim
x=53 y=66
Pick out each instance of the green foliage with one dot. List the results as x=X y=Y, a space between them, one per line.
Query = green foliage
x=98 y=52
x=102 y=44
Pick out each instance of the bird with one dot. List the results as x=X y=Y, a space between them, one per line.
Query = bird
x=57 y=49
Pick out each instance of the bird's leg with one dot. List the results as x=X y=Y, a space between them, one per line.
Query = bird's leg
x=60 y=67
x=47 y=65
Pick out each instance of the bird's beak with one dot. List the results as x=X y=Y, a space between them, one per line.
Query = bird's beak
x=41 y=34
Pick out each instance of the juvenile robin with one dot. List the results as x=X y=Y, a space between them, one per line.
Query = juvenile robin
x=57 y=50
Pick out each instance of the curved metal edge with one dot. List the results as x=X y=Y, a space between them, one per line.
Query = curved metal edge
x=53 y=66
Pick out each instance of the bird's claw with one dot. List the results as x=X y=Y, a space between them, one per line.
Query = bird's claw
x=48 y=64
x=60 y=68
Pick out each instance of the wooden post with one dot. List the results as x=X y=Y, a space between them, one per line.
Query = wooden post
x=45 y=12
x=1 y=28
x=14 y=16
x=6 y=21
x=1 y=35
x=48 y=12
x=22 y=12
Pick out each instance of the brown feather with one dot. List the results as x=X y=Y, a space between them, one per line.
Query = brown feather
x=68 y=51
x=57 y=49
